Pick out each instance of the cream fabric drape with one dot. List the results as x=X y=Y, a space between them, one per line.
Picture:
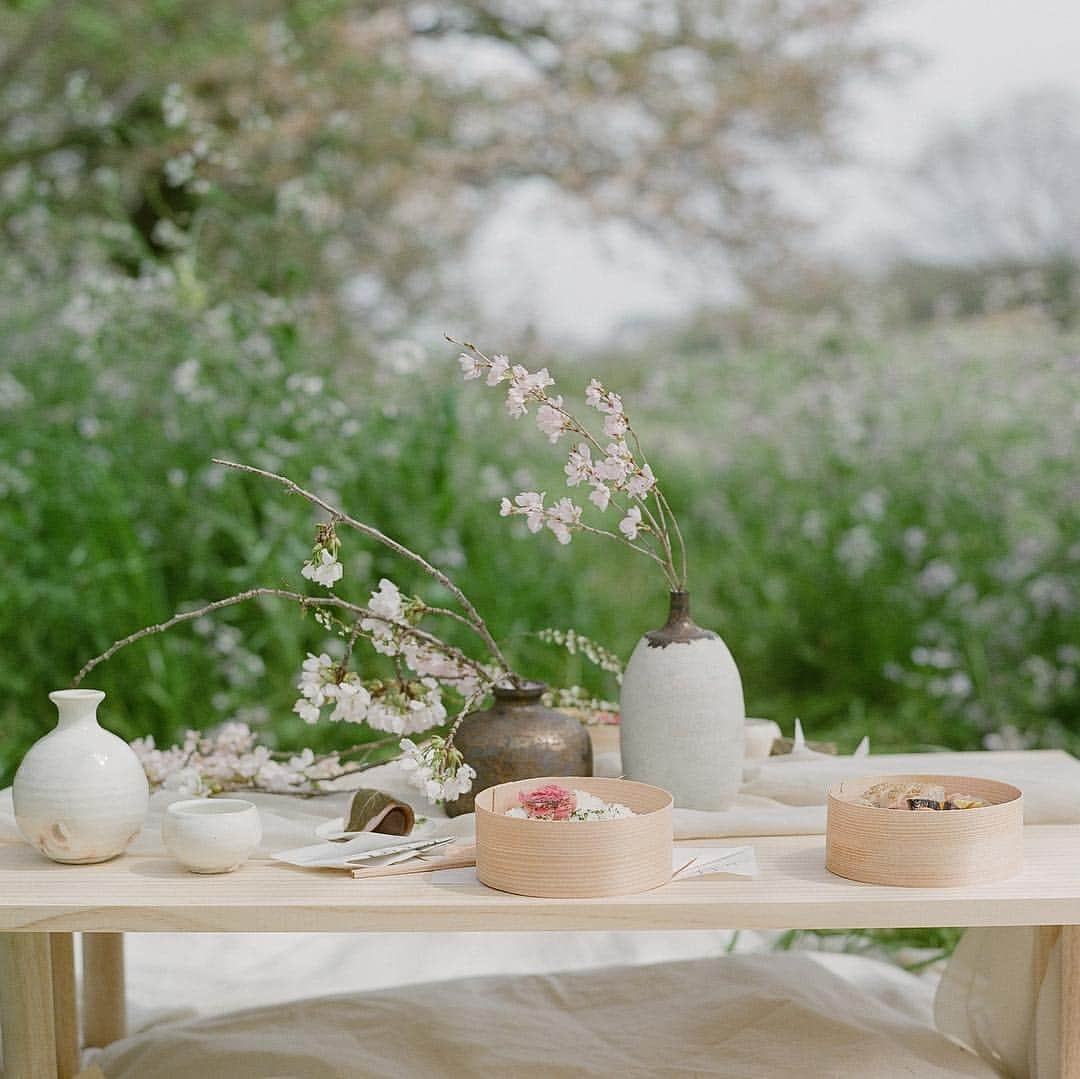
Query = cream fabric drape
x=780 y=1016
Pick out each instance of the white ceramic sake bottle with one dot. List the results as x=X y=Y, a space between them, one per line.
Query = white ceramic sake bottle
x=80 y=793
x=683 y=717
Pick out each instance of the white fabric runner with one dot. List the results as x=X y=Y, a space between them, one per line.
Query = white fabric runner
x=987 y=998
x=778 y=797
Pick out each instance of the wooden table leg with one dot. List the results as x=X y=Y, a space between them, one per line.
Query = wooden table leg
x=1046 y=936
x=26 y=1006
x=65 y=1005
x=1070 y=1002
x=104 y=1006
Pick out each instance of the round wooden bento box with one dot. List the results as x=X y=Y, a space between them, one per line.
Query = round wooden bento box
x=939 y=848
x=575 y=859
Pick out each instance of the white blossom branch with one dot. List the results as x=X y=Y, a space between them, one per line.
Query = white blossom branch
x=279 y=593
x=474 y=619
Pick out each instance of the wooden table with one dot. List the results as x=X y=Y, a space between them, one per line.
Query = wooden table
x=43 y=904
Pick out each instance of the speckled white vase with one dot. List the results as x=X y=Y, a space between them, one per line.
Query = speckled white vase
x=683 y=718
x=80 y=793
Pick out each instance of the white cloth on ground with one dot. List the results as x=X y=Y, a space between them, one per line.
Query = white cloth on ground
x=775 y=1016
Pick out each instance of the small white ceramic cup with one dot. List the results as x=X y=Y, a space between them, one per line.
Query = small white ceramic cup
x=211 y=835
x=760 y=735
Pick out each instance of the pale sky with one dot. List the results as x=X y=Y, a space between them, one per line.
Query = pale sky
x=530 y=266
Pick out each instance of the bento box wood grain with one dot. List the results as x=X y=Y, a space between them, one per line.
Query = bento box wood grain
x=575 y=859
x=933 y=848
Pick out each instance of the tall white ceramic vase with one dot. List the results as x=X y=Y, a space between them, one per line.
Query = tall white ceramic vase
x=683 y=717
x=80 y=793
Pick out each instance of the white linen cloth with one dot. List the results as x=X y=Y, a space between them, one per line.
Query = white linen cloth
x=766 y=1016
x=778 y=797
x=987 y=999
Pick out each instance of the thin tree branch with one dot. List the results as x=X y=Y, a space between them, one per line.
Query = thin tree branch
x=373 y=533
x=305 y=601
x=445 y=612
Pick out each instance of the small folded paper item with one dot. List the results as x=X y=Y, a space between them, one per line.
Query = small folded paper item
x=377 y=811
x=458 y=856
x=688 y=862
x=342 y=855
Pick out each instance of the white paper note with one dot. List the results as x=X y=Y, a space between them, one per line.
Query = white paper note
x=690 y=862
x=686 y=864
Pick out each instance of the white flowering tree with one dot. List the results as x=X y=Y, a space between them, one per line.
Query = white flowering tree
x=362 y=138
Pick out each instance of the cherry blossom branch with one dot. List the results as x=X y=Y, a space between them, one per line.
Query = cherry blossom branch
x=304 y=601
x=445 y=612
x=465 y=709
x=662 y=499
x=366 y=748
x=474 y=620
x=634 y=546
x=354 y=635
x=664 y=506
x=619 y=468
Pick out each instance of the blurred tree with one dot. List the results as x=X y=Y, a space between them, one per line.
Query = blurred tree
x=1004 y=190
x=297 y=147
x=993 y=222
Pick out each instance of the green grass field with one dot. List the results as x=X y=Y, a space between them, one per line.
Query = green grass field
x=884 y=528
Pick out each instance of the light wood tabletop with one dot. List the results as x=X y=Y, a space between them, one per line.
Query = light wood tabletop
x=42 y=904
x=793 y=890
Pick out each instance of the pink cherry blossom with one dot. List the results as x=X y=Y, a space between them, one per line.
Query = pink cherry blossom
x=540 y=381
x=515 y=401
x=550 y=420
x=615 y=425
x=579 y=465
x=617 y=465
x=562 y=517
x=471 y=366
x=640 y=484
x=532 y=503
x=631 y=523
x=601 y=495
x=498 y=370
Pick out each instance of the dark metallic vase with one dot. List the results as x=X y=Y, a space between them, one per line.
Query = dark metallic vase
x=518 y=738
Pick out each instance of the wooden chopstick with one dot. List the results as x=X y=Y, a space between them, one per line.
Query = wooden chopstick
x=452 y=858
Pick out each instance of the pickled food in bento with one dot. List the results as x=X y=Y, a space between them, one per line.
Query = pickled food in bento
x=965 y=801
x=918 y=797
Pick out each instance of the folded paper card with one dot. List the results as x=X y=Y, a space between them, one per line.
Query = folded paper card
x=715 y=862
x=687 y=863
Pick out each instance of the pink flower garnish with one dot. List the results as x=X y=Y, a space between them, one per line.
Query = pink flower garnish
x=548 y=803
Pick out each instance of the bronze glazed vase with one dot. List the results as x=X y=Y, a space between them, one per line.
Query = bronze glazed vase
x=518 y=738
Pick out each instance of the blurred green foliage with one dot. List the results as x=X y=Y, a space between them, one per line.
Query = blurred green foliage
x=885 y=534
